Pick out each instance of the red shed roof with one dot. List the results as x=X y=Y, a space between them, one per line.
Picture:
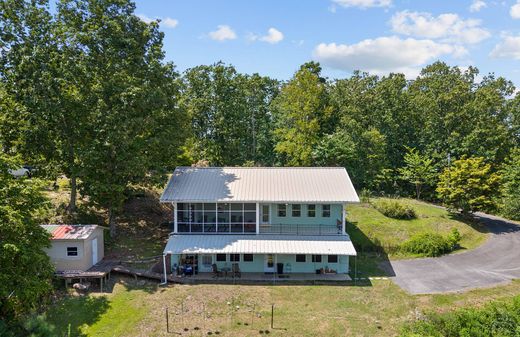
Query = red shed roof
x=70 y=232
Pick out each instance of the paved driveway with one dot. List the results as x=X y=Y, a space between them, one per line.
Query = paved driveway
x=496 y=262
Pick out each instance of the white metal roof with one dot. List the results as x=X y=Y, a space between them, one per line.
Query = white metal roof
x=260 y=184
x=259 y=244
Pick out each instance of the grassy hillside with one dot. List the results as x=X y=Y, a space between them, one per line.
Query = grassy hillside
x=372 y=231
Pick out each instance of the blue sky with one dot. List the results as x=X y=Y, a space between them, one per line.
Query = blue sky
x=380 y=36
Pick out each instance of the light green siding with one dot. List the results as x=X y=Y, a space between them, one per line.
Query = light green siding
x=289 y=261
x=303 y=219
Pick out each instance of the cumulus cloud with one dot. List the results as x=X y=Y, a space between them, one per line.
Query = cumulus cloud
x=477 y=5
x=384 y=54
x=509 y=47
x=166 y=22
x=169 y=22
x=223 y=32
x=515 y=10
x=449 y=27
x=364 y=3
x=273 y=36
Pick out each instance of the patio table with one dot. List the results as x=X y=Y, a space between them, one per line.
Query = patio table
x=226 y=270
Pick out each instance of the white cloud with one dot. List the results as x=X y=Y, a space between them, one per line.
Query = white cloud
x=515 y=10
x=384 y=54
x=477 y=5
x=169 y=22
x=449 y=27
x=273 y=36
x=364 y=3
x=509 y=47
x=145 y=18
x=223 y=32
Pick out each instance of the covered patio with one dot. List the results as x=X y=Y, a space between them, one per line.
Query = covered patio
x=262 y=278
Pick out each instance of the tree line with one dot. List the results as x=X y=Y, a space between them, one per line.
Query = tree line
x=85 y=91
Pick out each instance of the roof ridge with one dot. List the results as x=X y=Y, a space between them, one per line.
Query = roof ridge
x=264 y=167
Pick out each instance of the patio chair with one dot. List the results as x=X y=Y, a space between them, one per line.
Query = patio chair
x=235 y=269
x=216 y=272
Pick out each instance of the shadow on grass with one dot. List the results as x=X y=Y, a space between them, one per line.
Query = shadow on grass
x=77 y=312
x=372 y=259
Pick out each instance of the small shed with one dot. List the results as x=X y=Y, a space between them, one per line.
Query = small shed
x=75 y=247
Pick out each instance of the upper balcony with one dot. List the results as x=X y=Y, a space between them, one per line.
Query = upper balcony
x=301 y=229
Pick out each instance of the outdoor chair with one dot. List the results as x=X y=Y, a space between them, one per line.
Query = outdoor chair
x=216 y=272
x=235 y=269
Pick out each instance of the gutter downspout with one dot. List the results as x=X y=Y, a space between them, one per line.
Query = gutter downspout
x=164 y=270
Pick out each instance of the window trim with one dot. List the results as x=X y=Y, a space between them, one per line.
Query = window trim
x=244 y=259
x=234 y=257
x=309 y=211
x=219 y=256
x=323 y=210
x=300 y=255
x=298 y=209
x=71 y=252
x=280 y=210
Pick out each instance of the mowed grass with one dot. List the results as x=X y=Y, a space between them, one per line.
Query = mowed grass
x=379 y=308
x=368 y=228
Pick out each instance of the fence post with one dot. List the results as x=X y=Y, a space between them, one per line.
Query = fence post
x=167 y=321
x=272 y=316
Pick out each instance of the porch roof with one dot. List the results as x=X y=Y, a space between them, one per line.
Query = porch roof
x=259 y=244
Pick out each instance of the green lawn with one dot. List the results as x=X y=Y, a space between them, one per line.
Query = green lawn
x=370 y=229
x=378 y=308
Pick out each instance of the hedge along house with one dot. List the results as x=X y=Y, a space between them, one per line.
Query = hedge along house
x=265 y=220
x=75 y=247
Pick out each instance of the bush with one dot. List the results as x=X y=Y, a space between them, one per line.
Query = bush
x=395 y=209
x=364 y=195
x=496 y=319
x=432 y=244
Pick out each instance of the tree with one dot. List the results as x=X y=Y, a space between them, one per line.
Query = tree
x=25 y=269
x=302 y=115
x=43 y=70
x=135 y=128
x=510 y=188
x=419 y=170
x=468 y=185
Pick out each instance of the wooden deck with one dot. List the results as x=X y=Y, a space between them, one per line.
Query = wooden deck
x=100 y=271
x=262 y=278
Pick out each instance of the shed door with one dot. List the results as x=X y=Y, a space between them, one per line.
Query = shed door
x=94 y=251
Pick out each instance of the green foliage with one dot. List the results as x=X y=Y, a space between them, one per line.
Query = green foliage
x=495 y=319
x=432 y=244
x=302 y=115
x=364 y=195
x=395 y=209
x=510 y=188
x=419 y=170
x=469 y=185
x=231 y=119
x=25 y=269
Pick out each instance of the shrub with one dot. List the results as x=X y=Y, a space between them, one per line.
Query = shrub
x=395 y=209
x=364 y=195
x=495 y=319
x=432 y=244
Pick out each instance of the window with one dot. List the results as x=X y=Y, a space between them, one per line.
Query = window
x=234 y=257
x=316 y=258
x=325 y=211
x=300 y=258
x=72 y=251
x=248 y=257
x=207 y=260
x=311 y=211
x=333 y=259
x=221 y=257
x=265 y=213
x=296 y=210
x=282 y=210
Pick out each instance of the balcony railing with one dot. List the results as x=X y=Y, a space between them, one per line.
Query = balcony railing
x=300 y=229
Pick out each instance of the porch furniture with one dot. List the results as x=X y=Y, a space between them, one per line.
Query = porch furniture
x=236 y=270
x=216 y=272
x=226 y=270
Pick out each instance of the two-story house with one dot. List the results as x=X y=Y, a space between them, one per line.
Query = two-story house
x=262 y=220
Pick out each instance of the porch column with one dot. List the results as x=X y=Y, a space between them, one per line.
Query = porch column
x=257 y=218
x=175 y=214
x=343 y=210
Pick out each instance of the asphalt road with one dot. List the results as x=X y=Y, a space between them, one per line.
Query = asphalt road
x=495 y=262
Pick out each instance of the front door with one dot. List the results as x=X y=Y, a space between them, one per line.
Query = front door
x=269 y=263
x=206 y=262
x=94 y=251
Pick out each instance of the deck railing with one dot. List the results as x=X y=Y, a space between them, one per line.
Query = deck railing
x=300 y=229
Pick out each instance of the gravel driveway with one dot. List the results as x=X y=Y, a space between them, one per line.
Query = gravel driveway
x=496 y=262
